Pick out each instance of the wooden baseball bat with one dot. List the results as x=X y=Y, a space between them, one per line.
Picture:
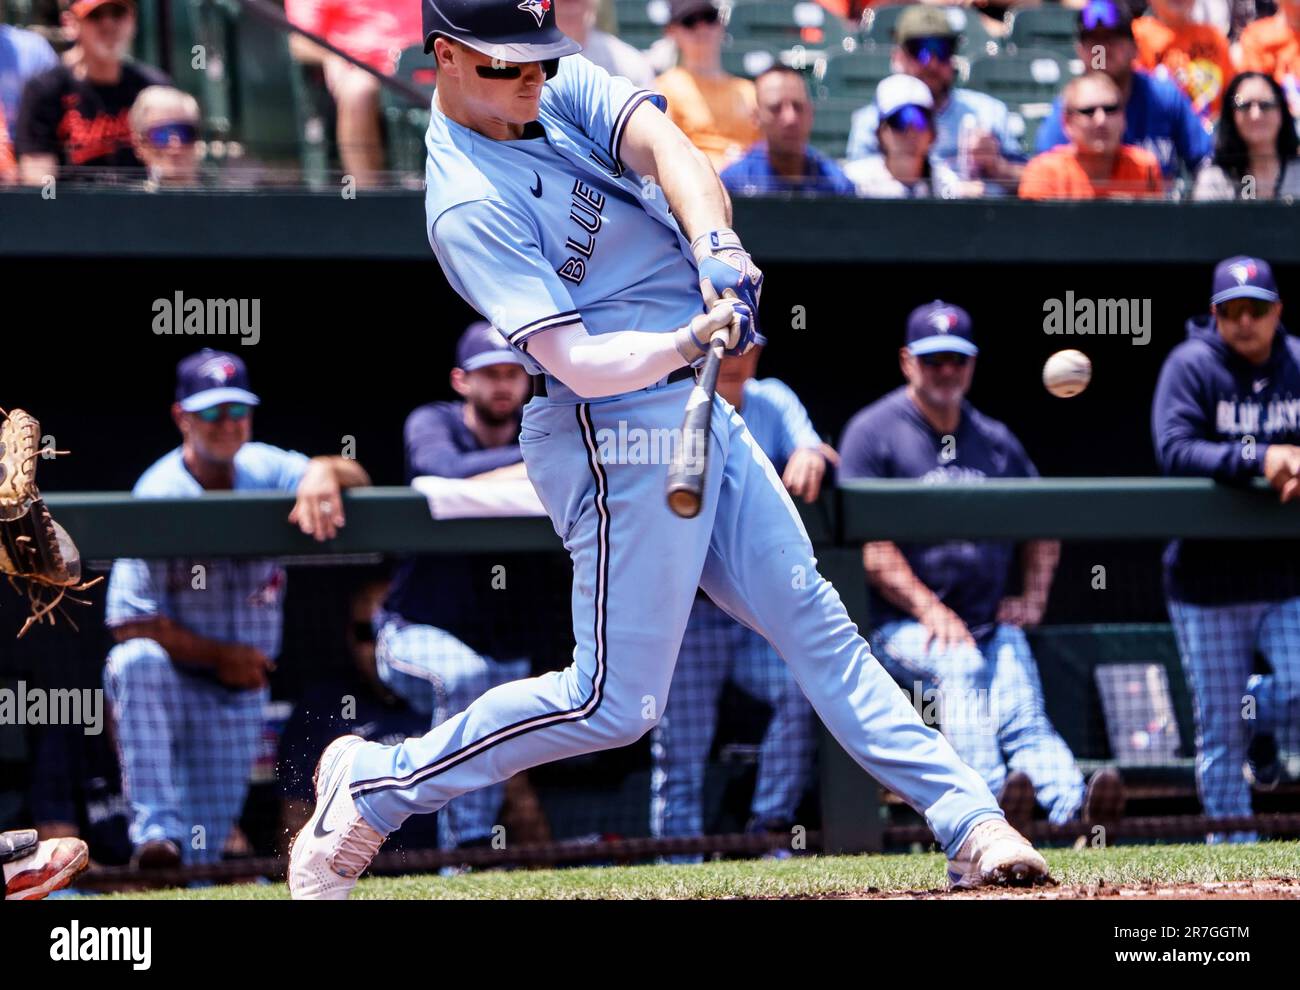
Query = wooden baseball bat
x=685 y=488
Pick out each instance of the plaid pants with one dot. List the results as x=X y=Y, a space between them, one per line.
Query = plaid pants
x=186 y=746
x=1218 y=644
x=439 y=676
x=989 y=704
x=714 y=649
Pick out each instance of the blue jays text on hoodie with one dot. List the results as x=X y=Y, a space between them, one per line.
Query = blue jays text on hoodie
x=1208 y=400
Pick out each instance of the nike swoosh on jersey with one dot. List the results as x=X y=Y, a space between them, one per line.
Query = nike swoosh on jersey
x=537 y=190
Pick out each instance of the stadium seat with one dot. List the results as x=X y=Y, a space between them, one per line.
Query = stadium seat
x=641 y=22
x=405 y=123
x=1027 y=76
x=787 y=23
x=747 y=60
x=854 y=74
x=831 y=121
x=1050 y=26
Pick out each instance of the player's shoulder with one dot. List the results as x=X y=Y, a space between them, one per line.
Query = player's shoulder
x=770 y=390
x=993 y=430
x=454 y=173
x=433 y=415
x=165 y=477
x=261 y=465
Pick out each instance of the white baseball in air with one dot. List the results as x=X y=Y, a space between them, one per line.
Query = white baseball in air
x=1067 y=373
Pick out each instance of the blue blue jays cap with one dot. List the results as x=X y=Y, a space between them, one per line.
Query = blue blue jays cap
x=209 y=378
x=1243 y=277
x=482 y=344
x=940 y=328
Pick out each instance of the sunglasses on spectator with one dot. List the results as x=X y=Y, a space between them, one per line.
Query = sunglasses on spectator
x=948 y=357
x=909 y=118
x=550 y=66
x=1235 y=309
x=233 y=411
x=1109 y=109
x=1263 y=106
x=161 y=135
x=699 y=17
x=1100 y=15
x=927 y=50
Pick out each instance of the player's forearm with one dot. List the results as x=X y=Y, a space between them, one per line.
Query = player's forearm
x=347 y=472
x=183 y=646
x=607 y=363
x=893 y=578
x=1038 y=560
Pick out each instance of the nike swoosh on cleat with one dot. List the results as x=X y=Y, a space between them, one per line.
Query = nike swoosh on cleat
x=319 y=831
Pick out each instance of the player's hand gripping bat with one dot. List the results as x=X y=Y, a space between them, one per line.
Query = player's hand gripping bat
x=685 y=488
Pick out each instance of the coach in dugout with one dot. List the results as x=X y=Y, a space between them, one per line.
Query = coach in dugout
x=196 y=639
x=452 y=627
x=946 y=627
x=1226 y=407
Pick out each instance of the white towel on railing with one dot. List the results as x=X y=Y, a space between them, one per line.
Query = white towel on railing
x=460 y=498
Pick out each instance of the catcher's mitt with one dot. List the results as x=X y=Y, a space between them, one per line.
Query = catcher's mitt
x=36 y=554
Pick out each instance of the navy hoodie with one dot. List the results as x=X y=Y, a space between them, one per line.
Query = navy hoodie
x=1207 y=399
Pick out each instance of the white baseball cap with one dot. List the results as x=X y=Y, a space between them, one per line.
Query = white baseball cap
x=900 y=90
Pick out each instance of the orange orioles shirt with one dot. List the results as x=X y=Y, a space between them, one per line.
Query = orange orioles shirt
x=1196 y=57
x=1057 y=174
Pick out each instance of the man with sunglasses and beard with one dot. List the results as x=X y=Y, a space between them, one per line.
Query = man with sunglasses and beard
x=565 y=207
x=1226 y=408
x=1158 y=116
x=975 y=136
x=950 y=630
x=1094 y=165
x=187 y=680
x=72 y=120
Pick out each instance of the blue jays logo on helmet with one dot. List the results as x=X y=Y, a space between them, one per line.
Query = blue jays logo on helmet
x=1243 y=271
x=538 y=8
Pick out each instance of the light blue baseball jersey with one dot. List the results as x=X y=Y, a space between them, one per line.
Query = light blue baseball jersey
x=235 y=601
x=776 y=419
x=550 y=229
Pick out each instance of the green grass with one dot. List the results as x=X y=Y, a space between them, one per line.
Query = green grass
x=803 y=877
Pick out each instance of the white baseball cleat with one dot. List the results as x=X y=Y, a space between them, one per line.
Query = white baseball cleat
x=50 y=866
x=336 y=845
x=995 y=853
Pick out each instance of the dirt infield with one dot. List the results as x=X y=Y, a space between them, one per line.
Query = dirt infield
x=1281 y=888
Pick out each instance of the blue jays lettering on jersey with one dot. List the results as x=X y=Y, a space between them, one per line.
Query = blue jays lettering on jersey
x=579 y=250
x=1208 y=399
x=891 y=439
x=457 y=593
x=776 y=419
x=235 y=601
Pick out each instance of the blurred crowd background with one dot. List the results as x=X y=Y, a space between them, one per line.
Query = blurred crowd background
x=1184 y=99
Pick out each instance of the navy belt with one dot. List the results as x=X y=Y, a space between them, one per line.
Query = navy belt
x=680 y=375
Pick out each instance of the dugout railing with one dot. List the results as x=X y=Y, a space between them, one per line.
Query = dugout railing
x=1117 y=524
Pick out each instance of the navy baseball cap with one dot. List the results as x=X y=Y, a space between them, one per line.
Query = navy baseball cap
x=940 y=328
x=209 y=378
x=1243 y=277
x=482 y=344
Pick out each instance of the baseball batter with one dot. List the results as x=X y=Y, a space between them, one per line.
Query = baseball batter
x=569 y=211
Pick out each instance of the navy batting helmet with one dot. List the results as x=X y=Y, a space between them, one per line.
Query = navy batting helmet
x=510 y=30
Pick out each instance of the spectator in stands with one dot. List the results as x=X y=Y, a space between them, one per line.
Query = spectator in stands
x=1157 y=115
x=372 y=32
x=1224 y=409
x=716 y=648
x=165 y=130
x=716 y=110
x=452 y=628
x=1272 y=45
x=73 y=119
x=577 y=19
x=23 y=54
x=1095 y=164
x=948 y=629
x=8 y=163
x=196 y=639
x=784 y=161
x=77 y=792
x=904 y=167
x=1255 y=154
x=1196 y=56
x=975 y=137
